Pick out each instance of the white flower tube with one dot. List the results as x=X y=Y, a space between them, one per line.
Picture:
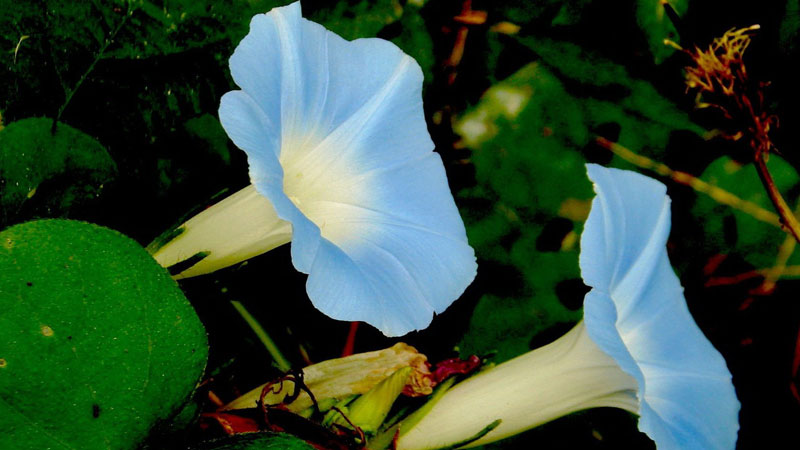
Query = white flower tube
x=568 y=375
x=224 y=234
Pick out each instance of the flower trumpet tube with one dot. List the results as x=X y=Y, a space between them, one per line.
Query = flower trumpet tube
x=638 y=347
x=568 y=375
x=224 y=235
x=338 y=147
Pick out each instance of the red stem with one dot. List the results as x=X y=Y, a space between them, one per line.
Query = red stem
x=350 y=344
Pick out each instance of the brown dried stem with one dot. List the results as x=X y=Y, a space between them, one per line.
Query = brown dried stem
x=788 y=219
x=721 y=81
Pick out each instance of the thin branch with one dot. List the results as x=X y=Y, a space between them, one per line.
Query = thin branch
x=716 y=193
x=281 y=363
x=785 y=252
x=91 y=67
x=350 y=343
x=788 y=219
x=785 y=272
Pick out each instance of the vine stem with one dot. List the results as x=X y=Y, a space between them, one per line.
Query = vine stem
x=788 y=219
x=715 y=192
x=350 y=343
x=281 y=363
x=91 y=67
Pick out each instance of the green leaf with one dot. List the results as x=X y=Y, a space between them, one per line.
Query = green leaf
x=645 y=117
x=790 y=25
x=656 y=25
x=48 y=173
x=258 y=441
x=97 y=343
x=571 y=12
x=728 y=230
x=209 y=131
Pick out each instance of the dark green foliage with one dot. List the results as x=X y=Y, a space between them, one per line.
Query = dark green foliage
x=729 y=230
x=208 y=130
x=46 y=169
x=790 y=25
x=519 y=167
x=607 y=93
x=415 y=39
x=356 y=19
x=656 y=25
x=529 y=135
x=258 y=441
x=97 y=343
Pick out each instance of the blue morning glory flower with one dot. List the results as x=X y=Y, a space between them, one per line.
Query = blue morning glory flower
x=636 y=313
x=338 y=148
x=638 y=347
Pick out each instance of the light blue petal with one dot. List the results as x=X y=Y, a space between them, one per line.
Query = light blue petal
x=344 y=154
x=637 y=314
x=400 y=258
x=252 y=131
x=318 y=86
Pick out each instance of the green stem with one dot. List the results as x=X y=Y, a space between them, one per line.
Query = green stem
x=278 y=359
x=89 y=70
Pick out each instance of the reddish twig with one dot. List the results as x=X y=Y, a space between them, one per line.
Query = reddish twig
x=350 y=343
x=793 y=385
x=788 y=219
x=720 y=78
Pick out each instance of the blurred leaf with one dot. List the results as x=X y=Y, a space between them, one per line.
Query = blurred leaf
x=657 y=26
x=557 y=12
x=397 y=21
x=609 y=94
x=526 y=172
x=208 y=129
x=527 y=134
x=571 y=12
x=728 y=230
x=790 y=26
x=48 y=173
x=258 y=441
x=97 y=342
x=352 y=19
x=415 y=39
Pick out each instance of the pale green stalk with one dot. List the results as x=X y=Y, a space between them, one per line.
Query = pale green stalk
x=281 y=363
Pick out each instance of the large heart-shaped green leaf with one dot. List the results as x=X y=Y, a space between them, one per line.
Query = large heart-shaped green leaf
x=97 y=343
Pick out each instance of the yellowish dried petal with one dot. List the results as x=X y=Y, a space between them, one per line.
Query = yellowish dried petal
x=342 y=377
